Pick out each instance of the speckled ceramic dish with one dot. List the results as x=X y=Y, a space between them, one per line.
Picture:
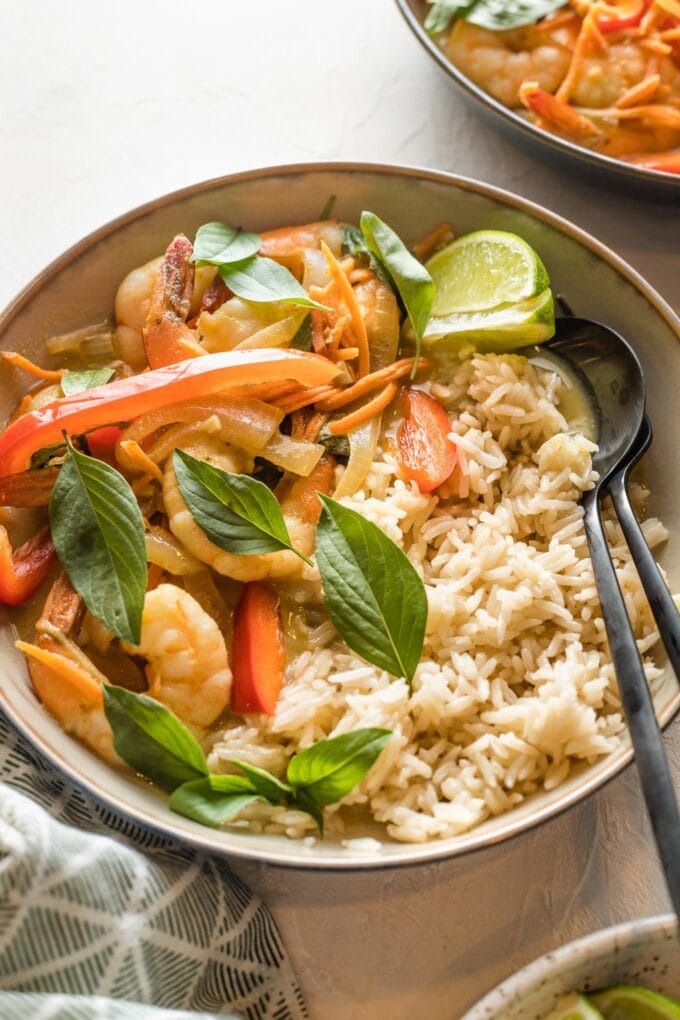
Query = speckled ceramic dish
x=661 y=185
x=645 y=952
x=79 y=289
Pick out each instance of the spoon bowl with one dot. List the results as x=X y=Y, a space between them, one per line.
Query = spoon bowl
x=610 y=373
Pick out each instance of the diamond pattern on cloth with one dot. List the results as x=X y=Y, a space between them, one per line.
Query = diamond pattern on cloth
x=92 y=927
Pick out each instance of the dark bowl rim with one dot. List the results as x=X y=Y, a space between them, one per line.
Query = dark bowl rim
x=433 y=851
x=562 y=145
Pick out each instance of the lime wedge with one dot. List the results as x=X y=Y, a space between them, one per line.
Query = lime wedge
x=629 y=1002
x=574 y=1007
x=531 y=321
x=483 y=270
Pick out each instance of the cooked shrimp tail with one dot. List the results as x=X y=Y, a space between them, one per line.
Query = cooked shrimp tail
x=167 y=338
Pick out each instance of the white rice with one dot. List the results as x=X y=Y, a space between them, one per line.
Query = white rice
x=515 y=684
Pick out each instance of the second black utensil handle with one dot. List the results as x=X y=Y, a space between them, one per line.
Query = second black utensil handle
x=636 y=699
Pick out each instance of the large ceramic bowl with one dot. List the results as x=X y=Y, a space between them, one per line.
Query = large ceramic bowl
x=645 y=952
x=661 y=185
x=79 y=288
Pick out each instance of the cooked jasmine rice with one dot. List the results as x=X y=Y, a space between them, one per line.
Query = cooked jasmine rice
x=515 y=685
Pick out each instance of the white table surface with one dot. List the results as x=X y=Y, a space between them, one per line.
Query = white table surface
x=107 y=105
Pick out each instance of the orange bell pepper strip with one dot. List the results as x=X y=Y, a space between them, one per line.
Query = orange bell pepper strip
x=125 y=399
x=24 y=570
x=257 y=651
x=425 y=453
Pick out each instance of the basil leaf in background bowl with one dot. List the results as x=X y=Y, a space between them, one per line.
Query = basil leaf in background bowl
x=263 y=280
x=219 y=244
x=328 y=770
x=98 y=532
x=496 y=15
x=411 y=278
x=78 y=382
x=236 y=512
x=373 y=595
x=150 y=738
x=213 y=799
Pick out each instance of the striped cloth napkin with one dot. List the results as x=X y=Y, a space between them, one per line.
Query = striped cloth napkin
x=101 y=919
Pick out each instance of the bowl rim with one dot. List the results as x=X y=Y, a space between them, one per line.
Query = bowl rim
x=596 y=159
x=433 y=850
x=552 y=963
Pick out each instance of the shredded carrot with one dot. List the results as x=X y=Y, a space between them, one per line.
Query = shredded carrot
x=357 y=319
x=365 y=413
x=336 y=333
x=656 y=46
x=346 y=264
x=437 y=238
x=23 y=407
x=347 y=353
x=369 y=382
x=670 y=34
x=318 y=341
x=639 y=93
x=140 y=460
x=360 y=275
x=589 y=31
x=296 y=402
x=298 y=423
x=314 y=426
x=66 y=669
x=154 y=576
x=19 y=361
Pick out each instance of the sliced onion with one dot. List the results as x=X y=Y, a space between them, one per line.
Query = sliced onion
x=279 y=334
x=167 y=552
x=290 y=455
x=363 y=443
x=91 y=340
x=238 y=320
x=316 y=272
x=247 y=423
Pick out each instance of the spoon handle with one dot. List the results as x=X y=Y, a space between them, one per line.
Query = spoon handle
x=660 y=600
x=650 y=754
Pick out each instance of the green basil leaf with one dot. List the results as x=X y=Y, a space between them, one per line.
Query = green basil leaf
x=263 y=280
x=329 y=769
x=219 y=244
x=76 y=382
x=354 y=244
x=212 y=800
x=151 y=739
x=373 y=595
x=237 y=512
x=412 y=280
x=303 y=802
x=98 y=532
x=442 y=13
x=302 y=341
x=267 y=785
x=498 y=15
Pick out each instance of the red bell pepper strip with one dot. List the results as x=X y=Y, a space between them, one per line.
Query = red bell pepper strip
x=425 y=453
x=630 y=16
x=102 y=442
x=257 y=651
x=125 y=399
x=24 y=570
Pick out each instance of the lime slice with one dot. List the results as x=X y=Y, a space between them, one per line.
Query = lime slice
x=483 y=270
x=531 y=321
x=630 y=1002
x=574 y=1007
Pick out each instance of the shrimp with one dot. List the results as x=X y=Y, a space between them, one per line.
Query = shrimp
x=299 y=505
x=188 y=668
x=553 y=112
x=131 y=309
x=380 y=312
x=167 y=338
x=64 y=680
x=499 y=62
x=288 y=245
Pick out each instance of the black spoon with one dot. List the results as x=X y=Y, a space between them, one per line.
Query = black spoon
x=614 y=378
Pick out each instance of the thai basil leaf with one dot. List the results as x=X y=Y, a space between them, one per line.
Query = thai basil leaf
x=220 y=244
x=301 y=801
x=495 y=15
x=373 y=595
x=267 y=785
x=262 y=280
x=412 y=280
x=302 y=341
x=213 y=800
x=236 y=512
x=77 y=382
x=151 y=739
x=330 y=769
x=354 y=244
x=98 y=532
